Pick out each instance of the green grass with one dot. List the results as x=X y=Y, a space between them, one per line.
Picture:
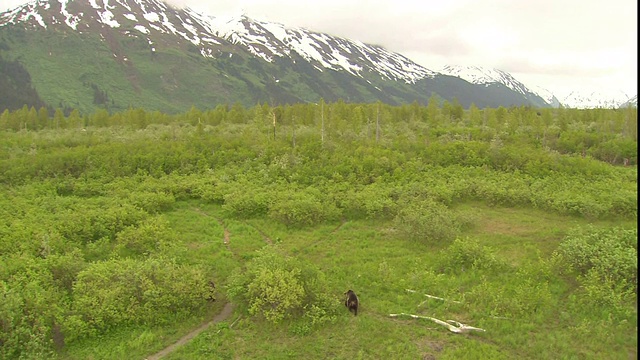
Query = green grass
x=138 y=342
x=83 y=197
x=366 y=256
x=520 y=234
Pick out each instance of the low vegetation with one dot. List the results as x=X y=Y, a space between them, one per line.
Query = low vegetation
x=518 y=221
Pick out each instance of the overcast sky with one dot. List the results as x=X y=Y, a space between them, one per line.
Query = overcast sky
x=560 y=45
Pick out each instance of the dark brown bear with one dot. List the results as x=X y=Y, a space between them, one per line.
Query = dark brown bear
x=351 y=302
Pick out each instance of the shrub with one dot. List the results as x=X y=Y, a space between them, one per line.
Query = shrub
x=427 y=220
x=26 y=313
x=277 y=287
x=608 y=293
x=467 y=254
x=153 y=202
x=125 y=291
x=608 y=253
x=86 y=225
x=151 y=236
x=247 y=200
x=303 y=208
x=371 y=202
x=605 y=263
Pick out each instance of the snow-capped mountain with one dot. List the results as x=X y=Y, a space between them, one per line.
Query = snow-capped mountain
x=269 y=40
x=487 y=77
x=266 y=40
x=479 y=75
x=546 y=95
x=595 y=99
x=633 y=102
x=148 y=53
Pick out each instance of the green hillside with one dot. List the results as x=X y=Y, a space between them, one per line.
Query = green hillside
x=81 y=71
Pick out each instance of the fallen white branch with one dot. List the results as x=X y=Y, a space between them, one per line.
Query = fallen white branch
x=452 y=325
x=234 y=321
x=433 y=297
x=230 y=326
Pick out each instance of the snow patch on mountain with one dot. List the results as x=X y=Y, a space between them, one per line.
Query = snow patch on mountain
x=107 y=19
x=142 y=29
x=269 y=40
x=24 y=13
x=94 y=4
x=124 y=4
x=69 y=19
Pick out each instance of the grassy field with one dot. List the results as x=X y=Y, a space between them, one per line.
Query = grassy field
x=368 y=257
x=111 y=235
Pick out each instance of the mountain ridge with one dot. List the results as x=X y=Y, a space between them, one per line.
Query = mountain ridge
x=240 y=59
x=488 y=76
x=253 y=34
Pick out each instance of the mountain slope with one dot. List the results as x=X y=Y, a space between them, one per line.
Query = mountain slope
x=120 y=53
x=15 y=87
x=494 y=77
x=633 y=102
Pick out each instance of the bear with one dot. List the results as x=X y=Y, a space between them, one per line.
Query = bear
x=351 y=301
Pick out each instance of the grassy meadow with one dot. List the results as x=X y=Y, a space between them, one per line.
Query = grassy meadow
x=518 y=221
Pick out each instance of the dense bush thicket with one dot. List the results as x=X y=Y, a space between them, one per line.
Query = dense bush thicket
x=605 y=263
x=83 y=197
x=276 y=286
x=110 y=293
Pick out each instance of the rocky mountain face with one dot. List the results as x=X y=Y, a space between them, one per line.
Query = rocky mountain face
x=114 y=54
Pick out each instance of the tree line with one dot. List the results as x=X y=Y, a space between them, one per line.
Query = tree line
x=608 y=135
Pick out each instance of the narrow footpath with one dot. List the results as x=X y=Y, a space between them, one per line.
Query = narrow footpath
x=223 y=315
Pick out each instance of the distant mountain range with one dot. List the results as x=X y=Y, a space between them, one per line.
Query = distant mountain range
x=598 y=99
x=577 y=99
x=88 y=54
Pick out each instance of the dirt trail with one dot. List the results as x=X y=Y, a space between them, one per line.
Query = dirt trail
x=227 y=233
x=342 y=222
x=226 y=311
x=223 y=315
